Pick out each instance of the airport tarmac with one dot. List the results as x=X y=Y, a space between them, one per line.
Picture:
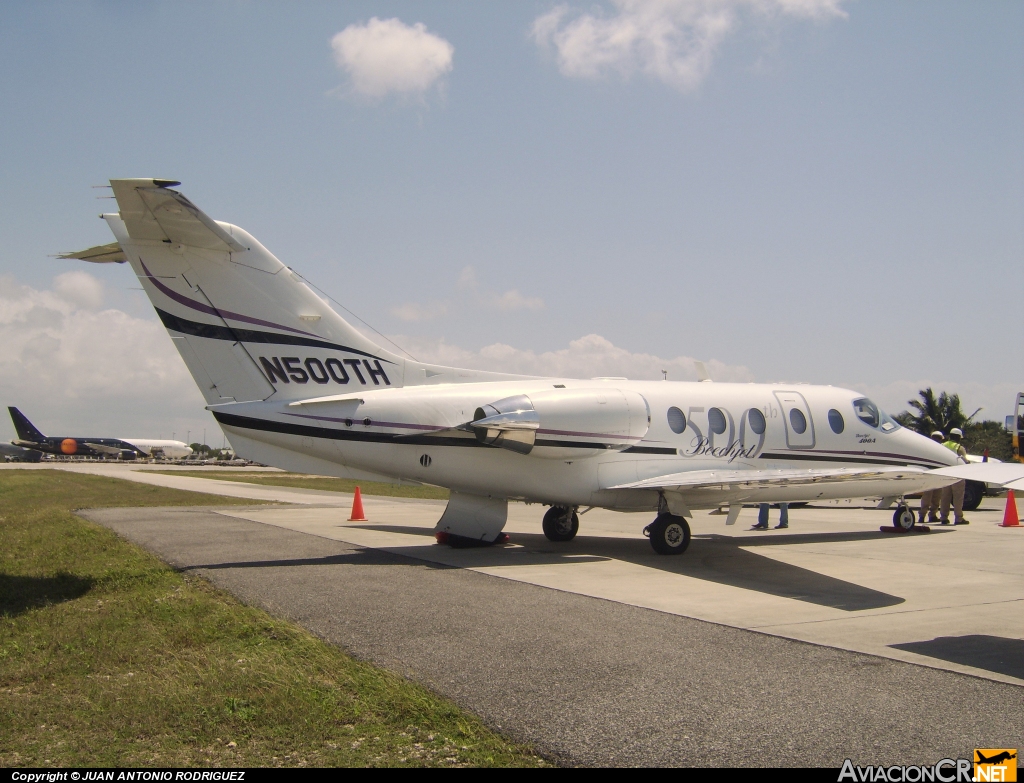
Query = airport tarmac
x=600 y=651
x=832 y=578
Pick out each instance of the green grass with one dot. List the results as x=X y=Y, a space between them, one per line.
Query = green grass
x=305 y=481
x=110 y=657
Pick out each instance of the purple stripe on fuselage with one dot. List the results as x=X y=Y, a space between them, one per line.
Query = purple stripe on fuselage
x=396 y=424
x=587 y=434
x=202 y=308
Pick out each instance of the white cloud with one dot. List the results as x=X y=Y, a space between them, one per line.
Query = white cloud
x=673 y=41
x=411 y=311
x=71 y=365
x=79 y=287
x=388 y=56
x=590 y=356
x=506 y=301
x=513 y=300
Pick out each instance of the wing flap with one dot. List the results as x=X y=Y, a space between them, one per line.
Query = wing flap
x=763 y=479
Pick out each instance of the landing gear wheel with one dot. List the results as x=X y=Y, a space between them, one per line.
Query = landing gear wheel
x=561 y=524
x=903 y=518
x=974 y=491
x=669 y=534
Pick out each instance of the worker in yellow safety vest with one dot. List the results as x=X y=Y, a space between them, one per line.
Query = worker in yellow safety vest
x=930 y=497
x=954 y=492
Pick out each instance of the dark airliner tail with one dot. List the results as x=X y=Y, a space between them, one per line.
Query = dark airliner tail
x=25 y=429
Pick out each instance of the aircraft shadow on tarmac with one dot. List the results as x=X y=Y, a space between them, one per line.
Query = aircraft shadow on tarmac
x=715 y=558
x=360 y=557
x=18 y=594
x=991 y=653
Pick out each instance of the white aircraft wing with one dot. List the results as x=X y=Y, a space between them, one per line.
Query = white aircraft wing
x=764 y=479
x=1002 y=473
x=104 y=449
x=151 y=210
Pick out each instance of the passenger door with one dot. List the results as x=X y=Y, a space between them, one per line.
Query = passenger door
x=797 y=418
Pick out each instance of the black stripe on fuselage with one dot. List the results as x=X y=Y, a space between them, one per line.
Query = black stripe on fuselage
x=865 y=460
x=214 y=332
x=648 y=450
x=308 y=431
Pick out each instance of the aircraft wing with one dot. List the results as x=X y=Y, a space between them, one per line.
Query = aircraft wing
x=1001 y=473
x=104 y=449
x=765 y=479
x=151 y=210
x=101 y=254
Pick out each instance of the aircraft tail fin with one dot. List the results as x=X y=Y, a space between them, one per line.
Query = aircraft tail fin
x=247 y=327
x=25 y=429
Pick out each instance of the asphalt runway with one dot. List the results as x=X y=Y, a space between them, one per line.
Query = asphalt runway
x=592 y=681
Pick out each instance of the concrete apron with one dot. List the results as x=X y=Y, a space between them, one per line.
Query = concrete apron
x=832 y=579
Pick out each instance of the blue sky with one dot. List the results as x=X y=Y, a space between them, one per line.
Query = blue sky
x=831 y=197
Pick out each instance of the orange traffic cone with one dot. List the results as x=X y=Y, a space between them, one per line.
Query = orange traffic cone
x=1010 y=518
x=357 y=508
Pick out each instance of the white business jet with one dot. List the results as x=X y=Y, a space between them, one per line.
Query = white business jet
x=296 y=386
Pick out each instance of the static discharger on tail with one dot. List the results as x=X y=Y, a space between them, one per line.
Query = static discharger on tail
x=294 y=385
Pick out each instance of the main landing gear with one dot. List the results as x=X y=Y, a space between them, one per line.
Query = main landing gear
x=669 y=534
x=561 y=524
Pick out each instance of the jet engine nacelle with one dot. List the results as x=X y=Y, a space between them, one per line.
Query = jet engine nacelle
x=564 y=424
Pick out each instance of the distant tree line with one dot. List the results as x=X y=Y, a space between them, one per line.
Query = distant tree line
x=944 y=412
x=202 y=451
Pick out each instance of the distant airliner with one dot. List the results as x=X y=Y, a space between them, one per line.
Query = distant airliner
x=294 y=385
x=122 y=448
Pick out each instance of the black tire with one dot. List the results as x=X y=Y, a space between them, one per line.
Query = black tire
x=670 y=535
x=903 y=518
x=561 y=524
x=974 y=491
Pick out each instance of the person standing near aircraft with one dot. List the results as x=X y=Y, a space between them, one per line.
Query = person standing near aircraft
x=954 y=492
x=762 y=517
x=930 y=497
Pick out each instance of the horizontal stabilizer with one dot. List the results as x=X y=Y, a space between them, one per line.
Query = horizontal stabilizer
x=101 y=254
x=152 y=211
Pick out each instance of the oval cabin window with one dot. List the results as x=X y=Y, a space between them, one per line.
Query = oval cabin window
x=757 y=422
x=676 y=420
x=835 y=421
x=716 y=421
x=798 y=421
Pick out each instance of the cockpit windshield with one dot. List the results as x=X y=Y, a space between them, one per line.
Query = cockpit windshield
x=873 y=416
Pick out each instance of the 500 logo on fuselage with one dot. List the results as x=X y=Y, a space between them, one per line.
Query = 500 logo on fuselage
x=292 y=369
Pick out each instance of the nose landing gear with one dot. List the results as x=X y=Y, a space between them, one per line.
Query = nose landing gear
x=903 y=518
x=561 y=524
x=669 y=534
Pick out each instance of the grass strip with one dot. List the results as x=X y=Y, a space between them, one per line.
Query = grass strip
x=110 y=657
x=304 y=481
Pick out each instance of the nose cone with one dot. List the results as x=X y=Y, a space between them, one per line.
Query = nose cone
x=918 y=445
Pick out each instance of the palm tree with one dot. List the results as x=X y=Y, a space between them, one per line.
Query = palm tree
x=942 y=413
